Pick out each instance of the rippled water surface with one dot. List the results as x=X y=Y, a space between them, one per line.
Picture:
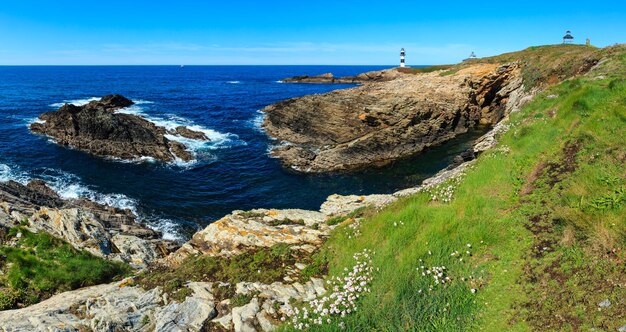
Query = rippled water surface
x=233 y=171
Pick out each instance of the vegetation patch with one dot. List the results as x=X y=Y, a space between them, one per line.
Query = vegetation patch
x=35 y=266
x=265 y=265
x=286 y=221
x=358 y=213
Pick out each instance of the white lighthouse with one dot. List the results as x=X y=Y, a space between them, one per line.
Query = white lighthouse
x=402 y=58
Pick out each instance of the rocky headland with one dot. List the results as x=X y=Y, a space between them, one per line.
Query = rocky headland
x=379 y=122
x=98 y=129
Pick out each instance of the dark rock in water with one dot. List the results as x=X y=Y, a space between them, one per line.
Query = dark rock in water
x=329 y=78
x=188 y=133
x=96 y=128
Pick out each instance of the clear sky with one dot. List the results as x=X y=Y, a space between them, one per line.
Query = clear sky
x=292 y=32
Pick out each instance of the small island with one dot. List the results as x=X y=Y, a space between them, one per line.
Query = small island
x=99 y=129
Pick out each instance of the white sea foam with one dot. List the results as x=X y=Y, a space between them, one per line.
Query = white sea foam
x=167 y=227
x=257 y=120
x=279 y=82
x=217 y=140
x=12 y=173
x=85 y=101
x=76 y=102
x=69 y=186
x=271 y=147
x=233 y=82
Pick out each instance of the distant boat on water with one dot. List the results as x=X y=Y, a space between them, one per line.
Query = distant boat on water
x=182 y=66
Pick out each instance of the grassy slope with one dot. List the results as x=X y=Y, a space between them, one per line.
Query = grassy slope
x=516 y=201
x=35 y=266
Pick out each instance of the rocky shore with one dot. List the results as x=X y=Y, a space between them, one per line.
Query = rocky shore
x=209 y=304
x=98 y=129
x=102 y=230
x=329 y=78
x=380 y=122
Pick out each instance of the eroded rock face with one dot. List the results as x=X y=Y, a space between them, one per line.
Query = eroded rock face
x=98 y=129
x=240 y=231
x=121 y=306
x=102 y=230
x=377 y=123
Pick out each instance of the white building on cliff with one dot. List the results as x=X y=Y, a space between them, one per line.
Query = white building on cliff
x=402 y=65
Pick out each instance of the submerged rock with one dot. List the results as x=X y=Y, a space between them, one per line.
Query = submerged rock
x=98 y=129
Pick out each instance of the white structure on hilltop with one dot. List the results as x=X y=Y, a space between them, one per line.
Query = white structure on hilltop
x=568 y=38
x=402 y=58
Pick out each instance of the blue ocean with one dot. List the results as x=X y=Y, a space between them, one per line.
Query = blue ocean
x=232 y=172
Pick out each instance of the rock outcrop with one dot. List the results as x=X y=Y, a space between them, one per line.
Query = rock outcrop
x=98 y=129
x=100 y=229
x=329 y=78
x=122 y=306
x=377 y=123
x=240 y=231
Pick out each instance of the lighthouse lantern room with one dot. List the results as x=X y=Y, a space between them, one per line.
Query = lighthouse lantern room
x=402 y=58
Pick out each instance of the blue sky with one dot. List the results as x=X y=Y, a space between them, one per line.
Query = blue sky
x=292 y=32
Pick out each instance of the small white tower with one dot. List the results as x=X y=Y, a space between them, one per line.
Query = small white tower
x=568 y=38
x=402 y=58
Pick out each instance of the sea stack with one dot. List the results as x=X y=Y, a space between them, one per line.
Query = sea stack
x=98 y=128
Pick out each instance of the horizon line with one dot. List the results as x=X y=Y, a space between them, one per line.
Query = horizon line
x=200 y=65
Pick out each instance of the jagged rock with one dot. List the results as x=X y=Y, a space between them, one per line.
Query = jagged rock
x=191 y=134
x=134 y=250
x=108 y=307
x=377 y=123
x=117 y=306
x=265 y=321
x=243 y=317
x=190 y=315
x=225 y=321
x=342 y=205
x=239 y=231
x=98 y=129
x=102 y=230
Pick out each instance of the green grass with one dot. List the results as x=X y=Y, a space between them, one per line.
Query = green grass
x=558 y=185
x=38 y=266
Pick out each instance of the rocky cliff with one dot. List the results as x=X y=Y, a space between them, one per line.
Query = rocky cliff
x=98 y=129
x=379 y=122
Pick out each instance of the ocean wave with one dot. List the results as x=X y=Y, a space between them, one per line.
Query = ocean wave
x=279 y=81
x=233 y=82
x=76 y=102
x=217 y=140
x=12 y=173
x=257 y=120
x=70 y=186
